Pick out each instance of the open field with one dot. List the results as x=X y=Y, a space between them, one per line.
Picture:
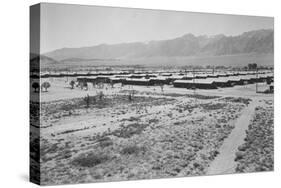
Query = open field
x=155 y=134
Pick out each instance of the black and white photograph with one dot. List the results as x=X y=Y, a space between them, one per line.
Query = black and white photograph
x=130 y=94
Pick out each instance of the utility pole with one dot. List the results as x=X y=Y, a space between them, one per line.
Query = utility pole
x=257 y=80
x=193 y=72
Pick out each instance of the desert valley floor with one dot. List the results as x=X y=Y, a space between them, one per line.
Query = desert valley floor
x=156 y=134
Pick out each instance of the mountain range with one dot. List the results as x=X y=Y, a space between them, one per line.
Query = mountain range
x=189 y=45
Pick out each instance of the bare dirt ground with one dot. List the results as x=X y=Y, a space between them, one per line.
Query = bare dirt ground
x=157 y=134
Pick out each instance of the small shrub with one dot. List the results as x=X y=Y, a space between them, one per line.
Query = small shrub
x=133 y=119
x=87 y=101
x=237 y=100
x=101 y=95
x=130 y=130
x=153 y=121
x=211 y=106
x=129 y=150
x=90 y=160
x=239 y=155
x=105 y=142
x=130 y=98
x=243 y=147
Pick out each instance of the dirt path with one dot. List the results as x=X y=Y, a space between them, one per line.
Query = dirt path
x=224 y=163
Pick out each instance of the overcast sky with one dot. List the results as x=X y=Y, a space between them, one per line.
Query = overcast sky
x=80 y=26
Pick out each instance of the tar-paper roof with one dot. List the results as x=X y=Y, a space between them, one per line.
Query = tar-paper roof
x=212 y=74
x=159 y=78
x=190 y=75
x=123 y=75
x=234 y=78
x=265 y=75
x=247 y=77
x=138 y=79
x=103 y=76
x=166 y=74
x=83 y=72
x=222 y=74
x=82 y=77
x=201 y=75
x=89 y=77
x=196 y=81
x=176 y=77
x=55 y=73
x=221 y=79
x=139 y=74
x=113 y=78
